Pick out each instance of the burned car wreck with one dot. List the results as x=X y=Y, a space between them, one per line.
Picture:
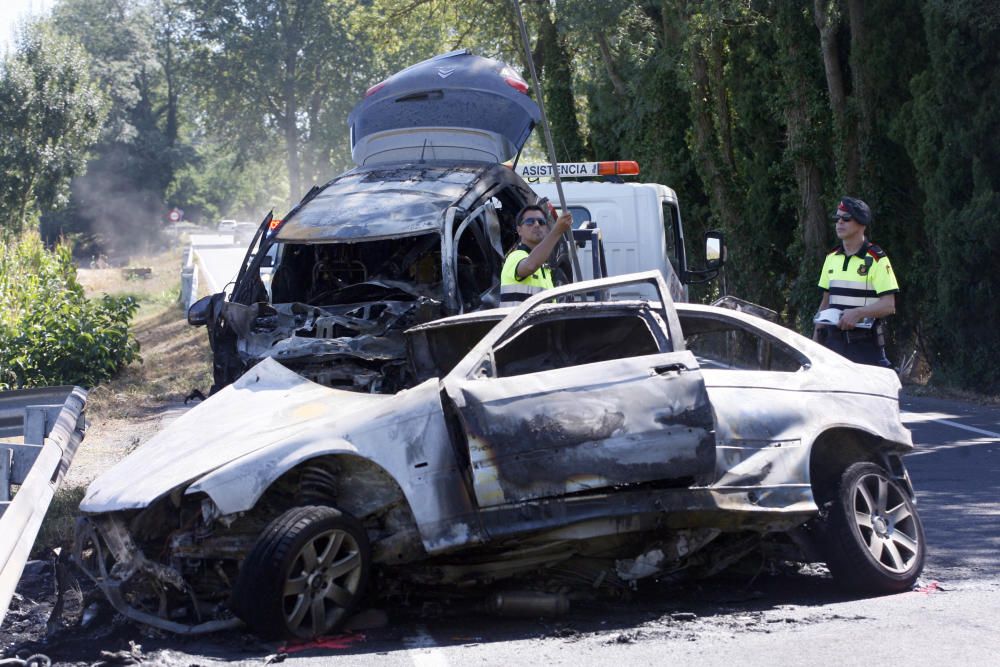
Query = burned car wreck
x=417 y=231
x=584 y=434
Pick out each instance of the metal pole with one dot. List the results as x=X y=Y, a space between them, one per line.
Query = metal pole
x=577 y=275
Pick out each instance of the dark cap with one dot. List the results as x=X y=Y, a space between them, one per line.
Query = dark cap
x=856 y=208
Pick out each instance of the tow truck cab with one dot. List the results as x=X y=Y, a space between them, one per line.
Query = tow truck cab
x=640 y=223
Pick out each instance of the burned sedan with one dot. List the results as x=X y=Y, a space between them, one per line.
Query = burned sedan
x=577 y=437
x=417 y=231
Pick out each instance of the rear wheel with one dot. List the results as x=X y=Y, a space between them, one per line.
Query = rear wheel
x=874 y=540
x=305 y=574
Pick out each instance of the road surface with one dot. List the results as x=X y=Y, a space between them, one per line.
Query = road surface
x=220 y=259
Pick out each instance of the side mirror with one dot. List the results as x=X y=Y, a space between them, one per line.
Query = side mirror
x=267 y=261
x=585 y=226
x=200 y=311
x=715 y=250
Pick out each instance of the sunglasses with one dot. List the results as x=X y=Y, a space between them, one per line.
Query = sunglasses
x=532 y=221
x=846 y=217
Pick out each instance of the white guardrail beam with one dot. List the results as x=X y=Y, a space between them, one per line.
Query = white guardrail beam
x=40 y=430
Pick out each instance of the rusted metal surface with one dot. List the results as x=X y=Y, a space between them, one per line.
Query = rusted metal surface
x=49 y=423
x=569 y=428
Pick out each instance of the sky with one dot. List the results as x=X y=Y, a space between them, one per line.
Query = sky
x=11 y=11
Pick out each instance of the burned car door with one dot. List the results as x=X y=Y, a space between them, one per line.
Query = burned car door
x=582 y=397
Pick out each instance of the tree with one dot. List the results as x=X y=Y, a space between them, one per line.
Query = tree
x=51 y=113
x=557 y=88
x=806 y=118
x=118 y=205
x=950 y=130
x=266 y=66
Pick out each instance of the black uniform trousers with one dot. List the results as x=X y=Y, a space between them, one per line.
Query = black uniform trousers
x=859 y=345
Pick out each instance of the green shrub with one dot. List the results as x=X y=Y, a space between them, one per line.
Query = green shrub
x=50 y=333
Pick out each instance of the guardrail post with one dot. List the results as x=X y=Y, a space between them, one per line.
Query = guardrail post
x=6 y=459
x=34 y=425
x=37 y=469
x=189 y=279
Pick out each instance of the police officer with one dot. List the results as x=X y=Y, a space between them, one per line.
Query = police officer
x=857 y=280
x=525 y=271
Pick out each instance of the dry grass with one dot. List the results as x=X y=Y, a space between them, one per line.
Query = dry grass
x=175 y=359
x=175 y=356
x=155 y=293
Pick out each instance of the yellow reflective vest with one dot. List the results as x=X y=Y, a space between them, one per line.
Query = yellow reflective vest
x=514 y=290
x=858 y=279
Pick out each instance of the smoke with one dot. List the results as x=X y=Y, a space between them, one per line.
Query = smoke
x=114 y=210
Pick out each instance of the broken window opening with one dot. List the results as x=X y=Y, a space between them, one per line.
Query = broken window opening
x=566 y=342
x=725 y=344
x=318 y=274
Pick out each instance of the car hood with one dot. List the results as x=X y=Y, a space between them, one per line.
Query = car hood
x=268 y=407
x=455 y=106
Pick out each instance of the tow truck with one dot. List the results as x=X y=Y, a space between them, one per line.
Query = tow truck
x=632 y=226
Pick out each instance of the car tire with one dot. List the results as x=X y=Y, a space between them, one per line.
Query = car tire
x=874 y=539
x=304 y=575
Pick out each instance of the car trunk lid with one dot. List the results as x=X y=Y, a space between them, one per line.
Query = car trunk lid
x=455 y=106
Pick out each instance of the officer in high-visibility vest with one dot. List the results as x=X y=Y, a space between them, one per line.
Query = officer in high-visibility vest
x=525 y=270
x=859 y=289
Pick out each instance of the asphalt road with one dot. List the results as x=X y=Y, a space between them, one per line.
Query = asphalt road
x=220 y=259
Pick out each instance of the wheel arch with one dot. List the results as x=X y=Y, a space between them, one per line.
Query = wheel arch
x=325 y=480
x=837 y=448
x=356 y=486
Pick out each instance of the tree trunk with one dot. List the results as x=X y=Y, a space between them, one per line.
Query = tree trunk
x=847 y=151
x=722 y=114
x=609 y=64
x=808 y=176
x=557 y=90
x=169 y=75
x=290 y=103
x=716 y=177
x=862 y=89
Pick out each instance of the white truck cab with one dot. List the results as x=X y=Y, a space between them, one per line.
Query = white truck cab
x=640 y=223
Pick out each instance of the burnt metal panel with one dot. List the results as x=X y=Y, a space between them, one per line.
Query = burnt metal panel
x=626 y=421
x=585 y=516
x=390 y=202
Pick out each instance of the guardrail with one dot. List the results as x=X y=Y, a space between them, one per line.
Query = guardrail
x=49 y=424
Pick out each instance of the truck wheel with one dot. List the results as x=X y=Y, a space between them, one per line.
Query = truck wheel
x=304 y=575
x=874 y=540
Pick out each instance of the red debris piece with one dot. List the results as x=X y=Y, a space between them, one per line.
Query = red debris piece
x=343 y=641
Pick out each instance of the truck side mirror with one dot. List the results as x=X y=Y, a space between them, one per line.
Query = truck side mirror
x=715 y=250
x=200 y=311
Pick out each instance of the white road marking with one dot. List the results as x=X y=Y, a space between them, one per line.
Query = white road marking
x=939 y=418
x=209 y=278
x=423 y=650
